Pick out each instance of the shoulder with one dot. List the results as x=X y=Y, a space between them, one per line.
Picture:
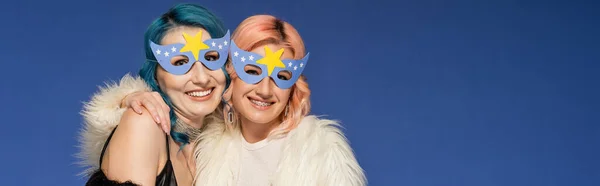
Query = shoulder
x=100 y=115
x=327 y=146
x=140 y=124
x=313 y=127
x=138 y=131
x=135 y=149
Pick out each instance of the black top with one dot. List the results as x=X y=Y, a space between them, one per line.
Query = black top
x=165 y=178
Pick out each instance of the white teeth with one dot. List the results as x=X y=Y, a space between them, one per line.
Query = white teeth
x=200 y=93
x=260 y=103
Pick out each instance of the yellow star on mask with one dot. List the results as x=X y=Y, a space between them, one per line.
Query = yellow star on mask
x=193 y=44
x=271 y=60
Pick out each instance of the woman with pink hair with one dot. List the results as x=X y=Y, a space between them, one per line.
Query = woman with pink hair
x=266 y=136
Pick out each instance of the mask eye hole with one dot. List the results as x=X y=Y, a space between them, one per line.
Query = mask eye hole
x=252 y=70
x=211 y=56
x=179 y=60
x=284 y=75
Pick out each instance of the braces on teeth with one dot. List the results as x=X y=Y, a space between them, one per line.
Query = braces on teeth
x=260 y=103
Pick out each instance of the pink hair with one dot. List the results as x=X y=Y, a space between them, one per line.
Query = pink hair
x=261 y=30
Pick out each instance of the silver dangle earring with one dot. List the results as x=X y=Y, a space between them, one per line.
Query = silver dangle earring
x=287 y=107
x=229 y=113
x=230 y=116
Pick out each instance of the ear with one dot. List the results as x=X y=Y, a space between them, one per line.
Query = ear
x=227 y=94
x=229 y=67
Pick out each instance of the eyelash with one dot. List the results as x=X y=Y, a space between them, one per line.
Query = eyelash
x=252 y=72
x=210 y=58
x=282 y=77
x=182 y=61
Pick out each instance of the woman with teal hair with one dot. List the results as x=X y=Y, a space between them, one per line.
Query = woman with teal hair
x=135 y=153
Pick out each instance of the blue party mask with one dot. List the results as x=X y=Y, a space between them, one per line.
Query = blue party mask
x=194 y=50
x=271 y=65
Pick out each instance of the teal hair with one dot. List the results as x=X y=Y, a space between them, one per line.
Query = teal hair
x=179 y=15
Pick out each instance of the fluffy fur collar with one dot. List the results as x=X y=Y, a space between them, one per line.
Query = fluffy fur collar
x=315 y=153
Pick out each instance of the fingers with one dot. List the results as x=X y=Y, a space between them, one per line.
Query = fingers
x=131 y=100
x=156 y=106
x=137 y=107
x=166 y=121
x=147 y=103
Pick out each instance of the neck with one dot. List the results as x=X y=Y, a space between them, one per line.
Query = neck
x=195 y=122
x=255 y=132
x=191 y=127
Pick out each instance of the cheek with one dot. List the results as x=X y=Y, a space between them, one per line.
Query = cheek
x=239 y=88
x=283 y=95
x=167 y=81
x=219 y=76
x=160 y=78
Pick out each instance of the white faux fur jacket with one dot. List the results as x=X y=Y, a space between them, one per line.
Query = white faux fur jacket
x=315 y=153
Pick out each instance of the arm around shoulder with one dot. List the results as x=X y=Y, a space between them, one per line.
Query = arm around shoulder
x=133 y=153
x=101 y=114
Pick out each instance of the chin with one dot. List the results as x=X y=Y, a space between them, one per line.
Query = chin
x=204 y=109
x=259 y=121
x=258 y=117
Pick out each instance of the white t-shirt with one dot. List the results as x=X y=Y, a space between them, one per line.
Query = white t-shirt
x=259 y=161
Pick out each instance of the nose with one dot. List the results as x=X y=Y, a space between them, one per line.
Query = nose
x=199 y=74
x=264 y=88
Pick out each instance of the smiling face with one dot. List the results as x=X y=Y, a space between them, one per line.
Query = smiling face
x=260 y=101
x=263 y=102
x=196 y=93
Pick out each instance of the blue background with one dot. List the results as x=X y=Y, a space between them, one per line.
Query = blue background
x=431 y=92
